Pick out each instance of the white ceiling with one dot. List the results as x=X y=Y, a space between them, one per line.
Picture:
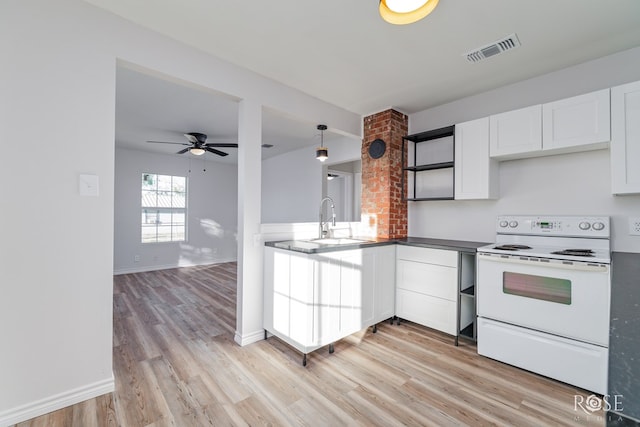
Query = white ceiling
x=342 y=52
x=149 y=108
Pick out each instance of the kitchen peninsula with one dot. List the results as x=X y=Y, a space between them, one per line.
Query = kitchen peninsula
x=319 y=291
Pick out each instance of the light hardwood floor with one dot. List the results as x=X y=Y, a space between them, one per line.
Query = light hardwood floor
x=176 y=364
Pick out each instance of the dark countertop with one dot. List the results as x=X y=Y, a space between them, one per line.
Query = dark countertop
x=454 y=245
x=314 y=246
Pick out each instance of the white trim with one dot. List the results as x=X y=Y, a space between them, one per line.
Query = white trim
x=248 y=339
x=55 y=402
x=144 y=269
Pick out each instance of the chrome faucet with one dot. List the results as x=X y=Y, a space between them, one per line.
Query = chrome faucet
x=322 y=232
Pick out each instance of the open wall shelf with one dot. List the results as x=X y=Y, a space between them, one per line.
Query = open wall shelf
x=430 y=165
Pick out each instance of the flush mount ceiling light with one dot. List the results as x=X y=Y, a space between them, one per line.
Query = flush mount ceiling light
x=196 y=151
x=322 y=152
x=401 y=12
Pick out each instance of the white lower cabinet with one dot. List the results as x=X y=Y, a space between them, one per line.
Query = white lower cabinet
x=311 y=300
x=427 y=310
x=428 y=288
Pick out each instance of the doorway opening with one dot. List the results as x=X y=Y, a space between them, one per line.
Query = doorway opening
x=343 y=183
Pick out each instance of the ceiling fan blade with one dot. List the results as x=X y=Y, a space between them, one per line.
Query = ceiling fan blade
x=214 y=151
x=165 y=142
x=184 y=150
x=221 y=144
x=191 y=138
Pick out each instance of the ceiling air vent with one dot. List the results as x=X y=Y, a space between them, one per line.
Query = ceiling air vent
x=492 y=49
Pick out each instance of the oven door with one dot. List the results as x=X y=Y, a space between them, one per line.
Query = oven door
x=565 y=299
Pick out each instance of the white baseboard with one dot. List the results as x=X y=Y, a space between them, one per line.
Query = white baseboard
x=143 y=269
x=243 y=340
x=55 y=402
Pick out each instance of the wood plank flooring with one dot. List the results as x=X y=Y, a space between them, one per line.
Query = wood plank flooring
x=176 y=364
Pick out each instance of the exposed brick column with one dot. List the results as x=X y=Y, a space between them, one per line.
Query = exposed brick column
x=382 y=204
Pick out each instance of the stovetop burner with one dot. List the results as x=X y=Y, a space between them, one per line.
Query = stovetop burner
x=510 y=247
x=575 y=252
x=554 y=238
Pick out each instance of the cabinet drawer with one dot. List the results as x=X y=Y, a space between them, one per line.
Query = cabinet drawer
x=428 y=255
x=432 y=312
x=429 y=279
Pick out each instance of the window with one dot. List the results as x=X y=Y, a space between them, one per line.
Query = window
x=538 y=287
x=164 y=208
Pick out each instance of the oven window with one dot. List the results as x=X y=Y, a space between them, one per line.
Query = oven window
x=538 y=287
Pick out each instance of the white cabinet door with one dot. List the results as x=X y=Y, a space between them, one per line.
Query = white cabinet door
x=302 y=300
x=625 y=139
x=353 y=278
x=289 y=308
x=277 y=297
x=516 y=133
x=476 y=174
x=328 y=300
x=385 y=283
x=581 y=122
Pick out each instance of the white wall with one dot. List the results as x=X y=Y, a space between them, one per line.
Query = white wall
x=212 y=209
x=292 y=182
x=570 y=184
x=57 y=103
x=337 y=190
x=57 y=98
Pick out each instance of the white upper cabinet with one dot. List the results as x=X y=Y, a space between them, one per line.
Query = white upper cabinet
x=625 y=139
x=476 y=174
x=516 y=133
x=581 y=121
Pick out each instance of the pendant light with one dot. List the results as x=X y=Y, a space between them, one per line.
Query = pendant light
x=401 y=12
x=322 y=152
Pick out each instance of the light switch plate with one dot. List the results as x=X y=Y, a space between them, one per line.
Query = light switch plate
x=88 y=185
x=634 y=226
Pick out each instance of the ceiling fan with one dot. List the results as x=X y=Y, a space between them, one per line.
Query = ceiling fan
x=197 y=145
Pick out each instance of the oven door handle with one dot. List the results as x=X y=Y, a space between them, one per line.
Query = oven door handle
x=567 y=265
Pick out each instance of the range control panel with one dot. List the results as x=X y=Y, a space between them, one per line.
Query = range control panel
x=567 y=226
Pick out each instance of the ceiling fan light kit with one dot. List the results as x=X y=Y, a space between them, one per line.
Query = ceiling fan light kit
x=322 y=152
x=196 y=151
x=402 y=12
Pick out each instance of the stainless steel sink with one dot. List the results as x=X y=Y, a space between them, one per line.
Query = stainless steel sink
x=313 y=245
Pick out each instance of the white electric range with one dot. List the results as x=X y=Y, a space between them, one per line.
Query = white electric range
x=543 y=297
